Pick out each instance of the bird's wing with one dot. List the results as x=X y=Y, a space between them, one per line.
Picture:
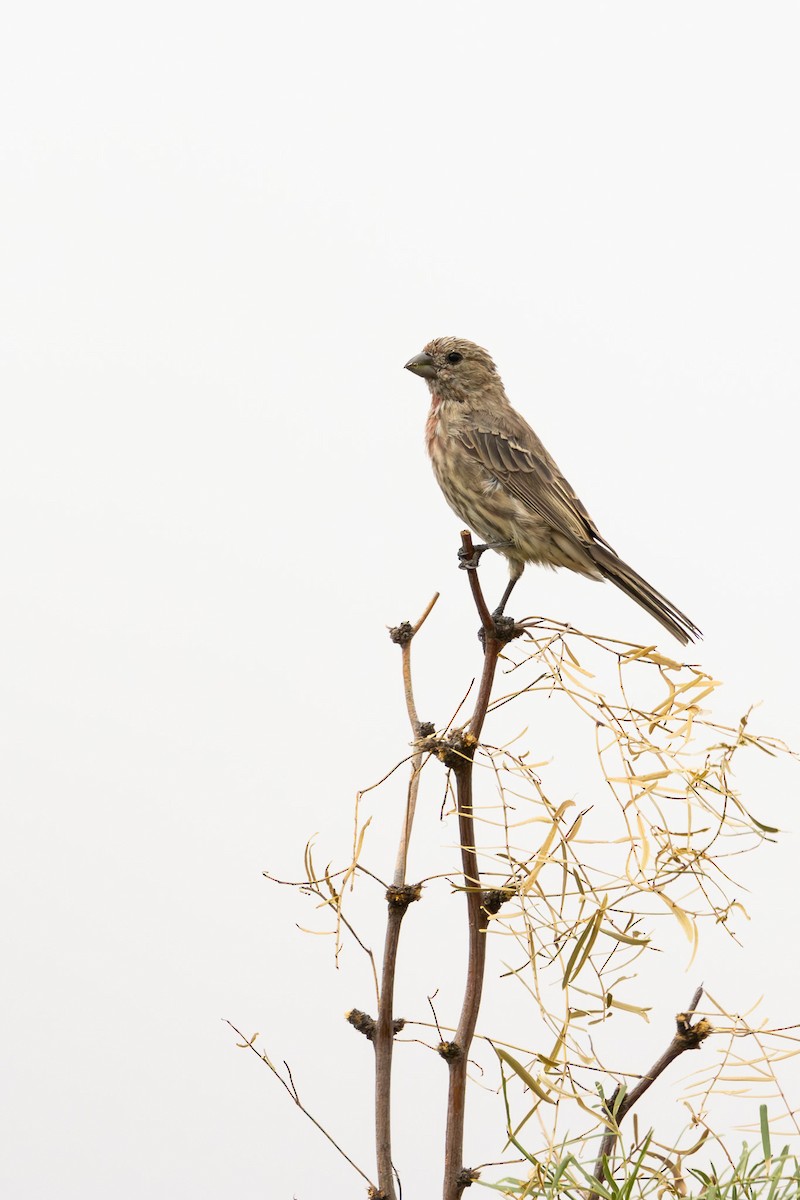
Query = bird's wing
x=531 y=476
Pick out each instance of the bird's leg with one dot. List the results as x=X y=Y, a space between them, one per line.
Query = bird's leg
x=505 y=628
x=470 y=563
x=498 y=612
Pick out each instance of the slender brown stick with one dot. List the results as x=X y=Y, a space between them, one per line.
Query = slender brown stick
x=456 y=1177
x=417 y=759
x=247 y=1044
x=399 y=896
x=687 y=1037
x=383 y=1042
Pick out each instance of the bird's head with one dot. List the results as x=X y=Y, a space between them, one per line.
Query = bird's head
x=454 y=368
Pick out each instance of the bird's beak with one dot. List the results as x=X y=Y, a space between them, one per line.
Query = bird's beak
x=421 y=364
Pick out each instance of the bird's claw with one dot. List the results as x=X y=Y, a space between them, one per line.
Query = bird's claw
x=469 y=562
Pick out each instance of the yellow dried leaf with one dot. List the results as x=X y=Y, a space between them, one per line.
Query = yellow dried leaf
x=573 y=833
x=661 y=660
x=645 y=842
x=684 y=920
x=544 y=850
x=625 y=938
x=639 y=652
x=631 y=1008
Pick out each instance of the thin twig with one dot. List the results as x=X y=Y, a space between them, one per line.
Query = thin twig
x=399 y=896
x=418 y=756
x=247 y=1043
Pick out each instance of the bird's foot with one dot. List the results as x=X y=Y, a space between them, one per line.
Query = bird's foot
x=469 y=562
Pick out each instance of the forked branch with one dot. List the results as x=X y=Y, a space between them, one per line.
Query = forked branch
x=688 y=1036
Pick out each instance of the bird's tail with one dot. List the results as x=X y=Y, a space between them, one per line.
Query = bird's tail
x=640 y=590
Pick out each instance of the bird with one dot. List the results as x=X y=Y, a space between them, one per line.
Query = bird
x=499 y=479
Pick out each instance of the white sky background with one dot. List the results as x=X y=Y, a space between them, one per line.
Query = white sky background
x=224 y=229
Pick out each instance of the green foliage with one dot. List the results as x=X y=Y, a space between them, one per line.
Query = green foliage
x=757 y=1175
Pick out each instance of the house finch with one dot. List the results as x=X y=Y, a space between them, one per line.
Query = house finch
x=498 y=478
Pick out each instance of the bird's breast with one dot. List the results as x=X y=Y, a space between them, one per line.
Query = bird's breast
x=433 y=427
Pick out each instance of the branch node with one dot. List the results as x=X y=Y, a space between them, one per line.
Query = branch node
x=449 y=1051
x=402 y=634
x=466 y=1177
x=504 y=631
x=365 y=1024
x=494 y=899
x=400 y=896
x=361 y=1021
x=455 y=750
x=692 y=1036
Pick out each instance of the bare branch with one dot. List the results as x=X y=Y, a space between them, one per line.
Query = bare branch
x=456 y=1176
x=399 y=896
x=687 y=1037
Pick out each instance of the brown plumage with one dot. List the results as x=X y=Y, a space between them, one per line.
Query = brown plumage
x=498 y=478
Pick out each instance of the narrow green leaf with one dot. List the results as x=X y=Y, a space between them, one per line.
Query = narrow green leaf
x=765 y=1139
x=524 y=1075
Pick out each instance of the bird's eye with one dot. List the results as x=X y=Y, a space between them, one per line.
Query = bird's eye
x=454 y=357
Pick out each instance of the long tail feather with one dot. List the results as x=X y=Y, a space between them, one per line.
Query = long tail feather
x=627 y=580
